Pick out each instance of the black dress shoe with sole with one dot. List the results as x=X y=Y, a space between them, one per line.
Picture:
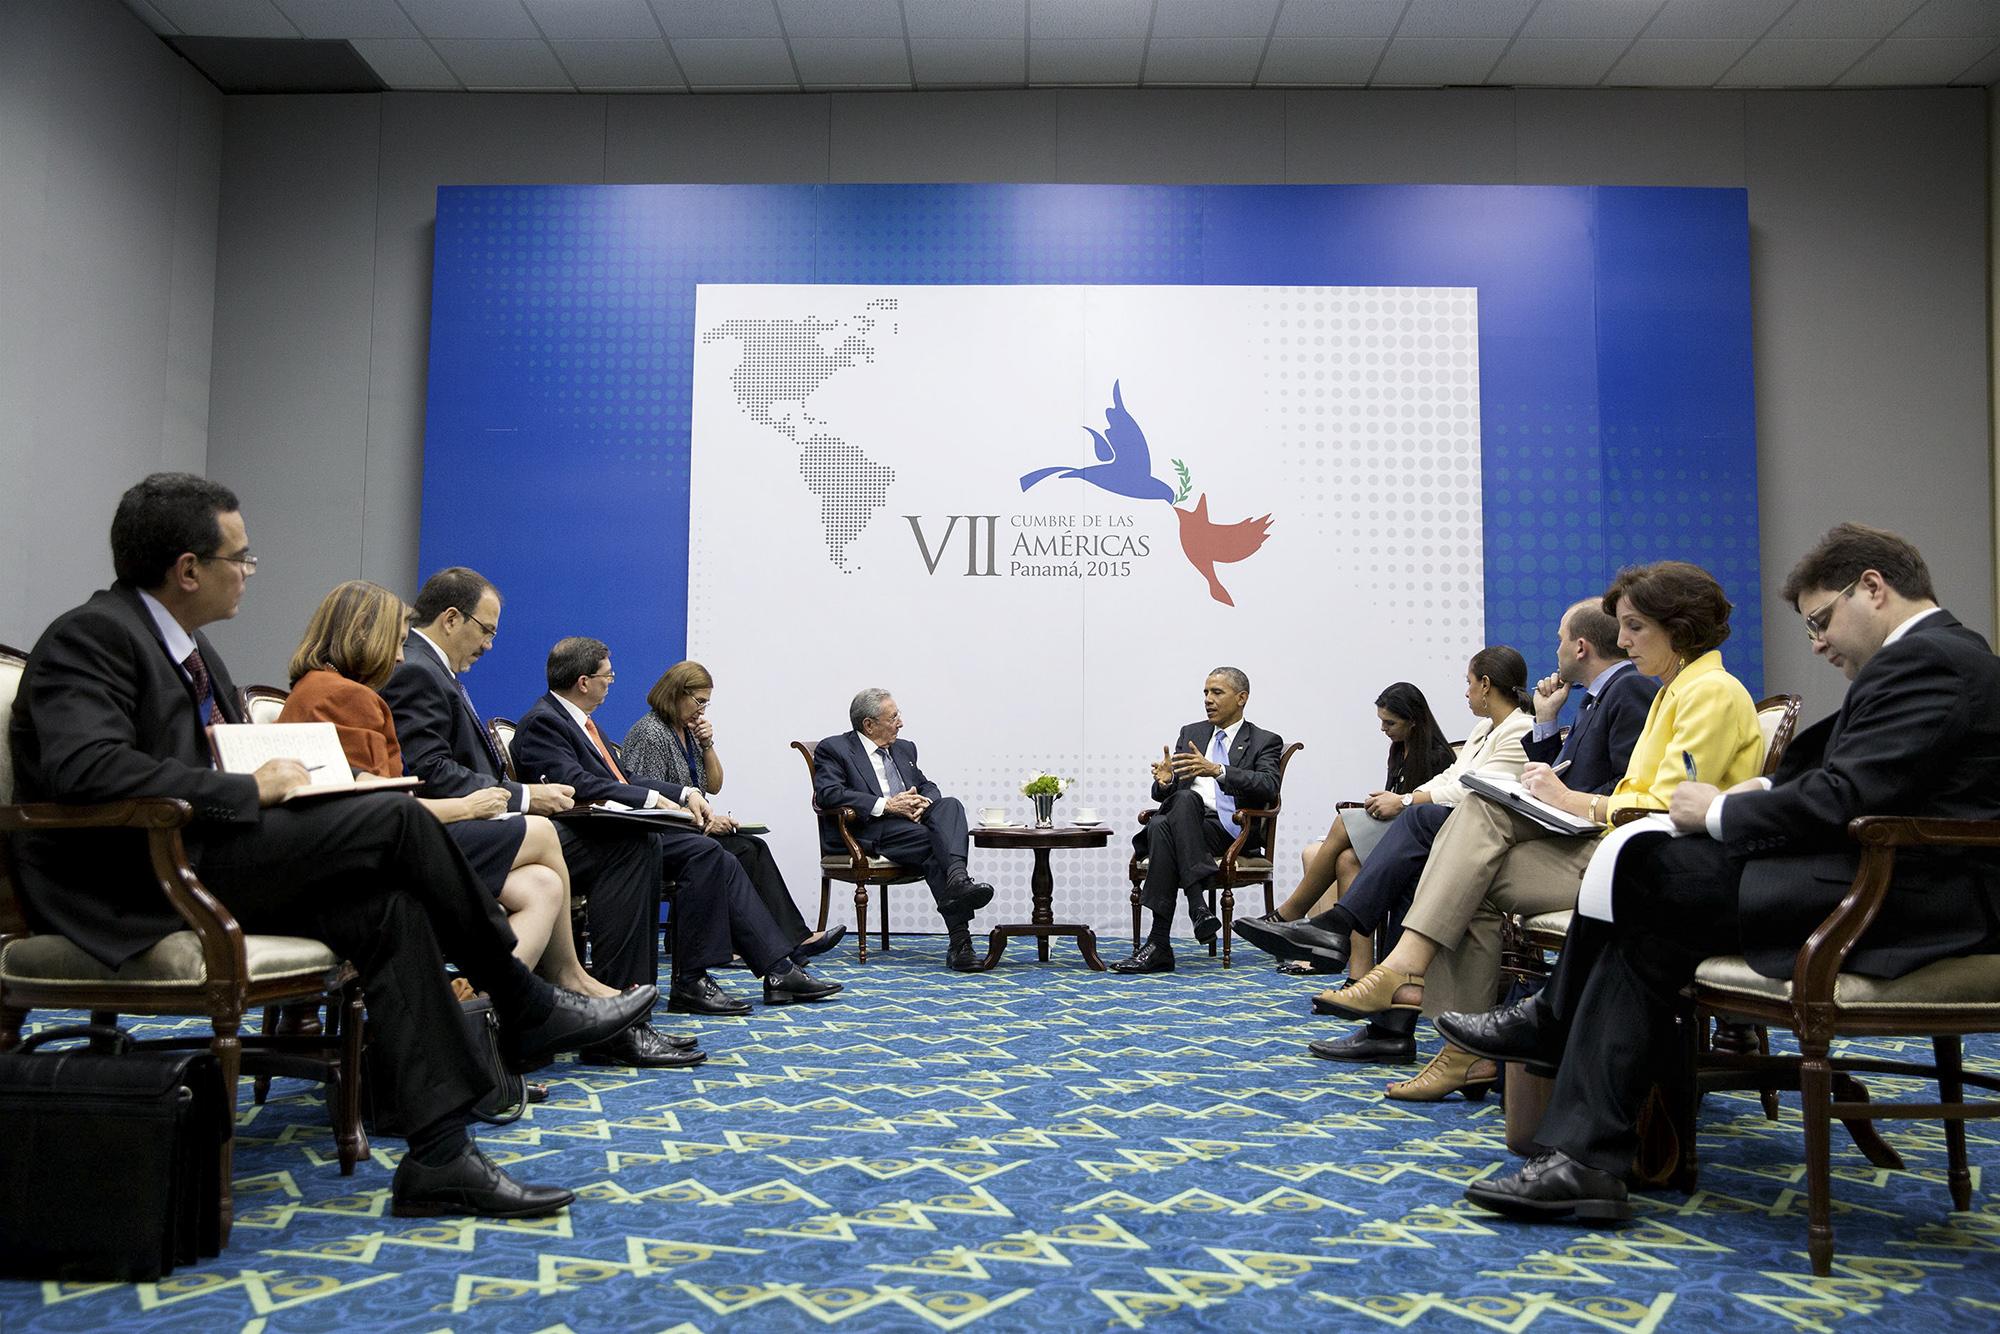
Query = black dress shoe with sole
x=1522 y=1031
x=818 y=947
x=1148 y=958
x=575 y=1022
x=640 y=1048
x=959 y=957
x=795 y=986
x=1295 y=940
x=964 y=897
x=1554 y=1186
x=1207 y=927
x=1366 y=1048
x=701 y=995
x=471 y=1184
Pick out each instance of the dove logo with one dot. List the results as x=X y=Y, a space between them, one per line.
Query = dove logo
x=1125 y=468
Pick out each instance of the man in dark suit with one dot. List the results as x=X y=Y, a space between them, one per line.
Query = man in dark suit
x=1762 y=865
x=113 y=707
x=719 y=911
x=899 y=813
x=453 y=622
x=1216 y=766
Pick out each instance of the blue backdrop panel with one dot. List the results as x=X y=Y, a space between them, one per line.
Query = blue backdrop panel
x=1617 y=419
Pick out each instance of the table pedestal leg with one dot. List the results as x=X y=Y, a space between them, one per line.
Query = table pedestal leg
x=1042 y=890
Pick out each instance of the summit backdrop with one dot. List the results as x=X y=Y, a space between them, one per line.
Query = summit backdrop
x=1035 y=458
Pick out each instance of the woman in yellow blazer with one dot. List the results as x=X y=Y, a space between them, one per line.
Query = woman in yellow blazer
x=1672 y=618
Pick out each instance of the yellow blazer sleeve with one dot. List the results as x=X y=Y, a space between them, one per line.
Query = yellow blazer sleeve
x=1710 y=717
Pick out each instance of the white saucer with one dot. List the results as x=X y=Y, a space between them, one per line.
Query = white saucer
x=1011 y=824
x=1086 y=824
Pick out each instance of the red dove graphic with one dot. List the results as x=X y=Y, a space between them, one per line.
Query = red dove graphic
x=1211 y=544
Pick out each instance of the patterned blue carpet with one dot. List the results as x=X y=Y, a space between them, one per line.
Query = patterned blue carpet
x=1046 y=1147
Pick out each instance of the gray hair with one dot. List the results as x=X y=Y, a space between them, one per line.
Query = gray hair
x=866 y=706
x=1238 y=682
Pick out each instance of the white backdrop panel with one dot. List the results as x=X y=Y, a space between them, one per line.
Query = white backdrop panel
x=857 y=517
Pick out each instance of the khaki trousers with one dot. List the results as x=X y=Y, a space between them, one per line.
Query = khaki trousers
x=1487 y=862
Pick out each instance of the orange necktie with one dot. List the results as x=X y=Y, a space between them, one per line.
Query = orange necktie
x=597 y=740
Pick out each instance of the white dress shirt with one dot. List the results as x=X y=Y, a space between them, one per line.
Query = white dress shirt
x=881 y=775
x=522 y=801
x=1204 y=787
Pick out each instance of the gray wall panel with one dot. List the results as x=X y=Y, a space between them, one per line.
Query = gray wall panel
x=747 y=140
x=944 y=136
x=1414 y=137
x=1141 y=137
x=1629 y=138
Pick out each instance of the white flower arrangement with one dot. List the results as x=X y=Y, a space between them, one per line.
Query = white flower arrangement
x=1044 y=785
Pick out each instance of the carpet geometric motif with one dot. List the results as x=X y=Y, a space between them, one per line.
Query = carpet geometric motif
x=1045 y=1147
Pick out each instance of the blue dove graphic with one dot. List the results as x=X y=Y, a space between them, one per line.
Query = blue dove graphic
x=1127 y=466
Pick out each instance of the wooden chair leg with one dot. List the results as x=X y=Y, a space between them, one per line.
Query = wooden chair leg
x=1768 y=1095
x=1228 y=915
x=1951 y=1089
x=861 y=917
x=260 y=1087
x=885 y=919
x=228 y=1048
x=825 y=901
x=11 y=1019
x=1270 y=901
x=349 y=1138
x=1815 y=1095
x=1684 y=1098
x=1135 y=915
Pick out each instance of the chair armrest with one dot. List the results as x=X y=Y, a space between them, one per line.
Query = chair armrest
x=1246 y=820
x=139 y=813
x=1628 y=814
x=1350 y=805
x=843 y=817
x=1148 y=814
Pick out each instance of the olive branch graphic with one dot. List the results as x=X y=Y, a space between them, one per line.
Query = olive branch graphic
x=1187 y=482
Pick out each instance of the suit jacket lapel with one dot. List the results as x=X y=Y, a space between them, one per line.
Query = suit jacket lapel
x=1240 y=746
x=859 y=744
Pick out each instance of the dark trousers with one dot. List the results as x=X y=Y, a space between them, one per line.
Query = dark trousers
x=1180 y=843
x=768 y=881
x=1388 y=880
x=379 y=880
x=716 y=910
x=936 y=843
x=1616 y=990
x=620 y=873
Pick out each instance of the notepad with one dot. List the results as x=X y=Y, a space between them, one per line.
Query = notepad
x=1509 y=793
x=243 y=748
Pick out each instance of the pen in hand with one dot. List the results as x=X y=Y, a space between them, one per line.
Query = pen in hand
x=1687 y=762
x=1558 y=768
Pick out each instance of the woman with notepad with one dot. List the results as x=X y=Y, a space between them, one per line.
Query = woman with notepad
x=352 y=643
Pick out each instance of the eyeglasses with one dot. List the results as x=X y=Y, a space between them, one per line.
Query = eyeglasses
x=245 y=559
x=606 y=677
x=490 y=631
x=1818 y=619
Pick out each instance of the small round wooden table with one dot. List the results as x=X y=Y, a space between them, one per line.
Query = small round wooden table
x=1042 y=886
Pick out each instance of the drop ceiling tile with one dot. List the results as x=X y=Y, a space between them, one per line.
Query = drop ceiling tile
x=1437 y=61
x=226 y=18
x=1954 y=18
x=852 y=62
x=1715 y=20
x=405 y=63
x=736 y=62
x=942 y=62
x=1213 y=18
x=594 y=20
x=1463 y=18
x=1227 y=61
x=467 y=20
x=1339 y=18
x=1557 y=61
x=1590 y=18
x=349 y=18
x=717 y=18
x=1779 y=62
x=1087 y=20
x=1843 y=18
x=502 y=63
x=1102 y=61
x=620 y=65
x=1307 y=62
x=1677 y=62
x=967 y=19
x=841 y=18
x=1915 y=61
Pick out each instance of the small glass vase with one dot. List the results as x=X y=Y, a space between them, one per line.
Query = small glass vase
x=1045 y=810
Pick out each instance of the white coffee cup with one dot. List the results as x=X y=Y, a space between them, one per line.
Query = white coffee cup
x=1086 y=815
x=993 y=815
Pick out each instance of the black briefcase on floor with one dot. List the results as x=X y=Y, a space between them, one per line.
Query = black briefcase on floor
x=110 y=1163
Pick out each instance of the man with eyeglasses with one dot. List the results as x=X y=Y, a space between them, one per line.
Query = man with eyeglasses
x=717 y=909
x=452 y=624
x=114 y=706
x=1760 y=866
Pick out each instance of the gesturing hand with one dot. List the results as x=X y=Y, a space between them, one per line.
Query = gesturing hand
x=1188 y=764
x=1163 y=768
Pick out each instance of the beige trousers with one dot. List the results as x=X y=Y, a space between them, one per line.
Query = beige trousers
x=1487 y=862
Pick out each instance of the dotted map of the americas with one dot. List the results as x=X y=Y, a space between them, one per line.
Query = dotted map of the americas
x=784 y=364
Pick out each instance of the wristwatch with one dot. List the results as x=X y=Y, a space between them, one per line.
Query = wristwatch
x=1408 y=799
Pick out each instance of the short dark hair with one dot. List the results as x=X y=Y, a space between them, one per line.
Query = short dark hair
x=1588 y=621
x=1238 y=679
x=453 y=587
x=573 y=657
x=1685 y=599
x=1848 y=551
x=1503 y=666
x=163 y=518
x=866 y=705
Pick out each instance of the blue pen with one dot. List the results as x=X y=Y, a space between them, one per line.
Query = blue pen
x=1687 y=759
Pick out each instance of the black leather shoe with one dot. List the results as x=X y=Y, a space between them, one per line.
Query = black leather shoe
x=701 y=995
x=577 y=1022
x=678 y=1041
x=1306 y=968
x=1295 y=940
x=1367 y=1047
x=958 y=955
x=963 y=897
x=1522 y=1031
x=469 y=1184
x=796 y=985
x=818 y=947
x=1148 y=958
x=1554 y=1186
x=1207 y=926
x=642 y=1049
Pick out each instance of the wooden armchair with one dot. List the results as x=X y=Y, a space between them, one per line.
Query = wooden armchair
x=1941 y=1001
x=853 y=867
x=501 y=732
x=212 y=968
x=1236 y=867
x=263 y=704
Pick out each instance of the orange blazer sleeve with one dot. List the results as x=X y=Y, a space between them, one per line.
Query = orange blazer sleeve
x=367 y=731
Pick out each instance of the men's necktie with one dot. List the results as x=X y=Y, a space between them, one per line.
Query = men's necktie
x=204 y=689
x=493 y=755
x=597 y=740
x=892 y=779
x=1225 y=805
